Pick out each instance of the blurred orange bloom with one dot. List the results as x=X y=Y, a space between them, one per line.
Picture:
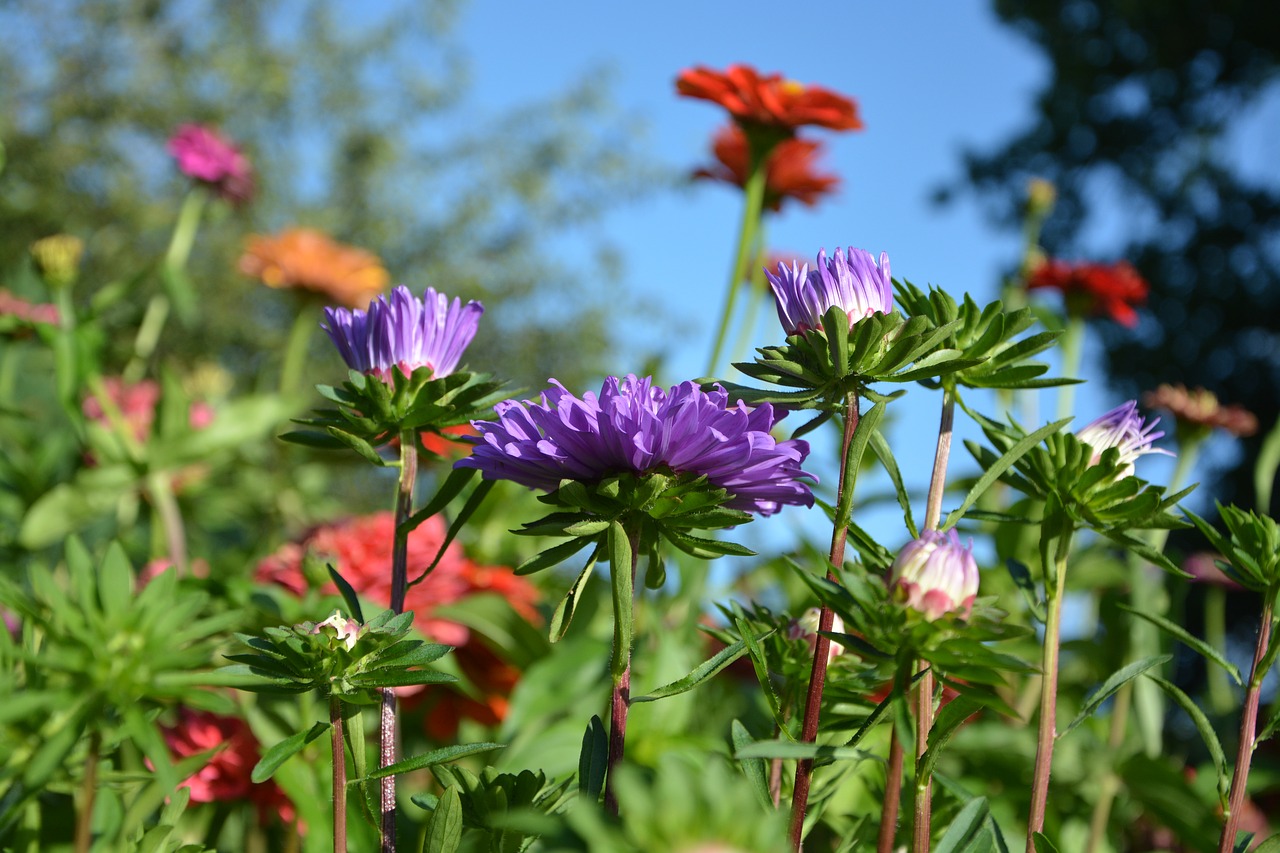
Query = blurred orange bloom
x=789 y=171
x=308 y=259
x=769 y=100
x=1111 y=290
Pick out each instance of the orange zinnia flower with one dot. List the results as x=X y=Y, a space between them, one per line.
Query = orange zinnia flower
x=1110 y=290
x=789 y=170
x=308 y=259
x=769 y=100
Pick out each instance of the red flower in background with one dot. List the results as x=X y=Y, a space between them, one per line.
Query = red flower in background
x=1111 y=290
x=789 y=170
x=227 y=775
x=769 y=100
x=24 y=312
x=137 y=404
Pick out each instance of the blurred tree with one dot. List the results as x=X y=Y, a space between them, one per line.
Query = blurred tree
x=355 y=122
x=1133 y=126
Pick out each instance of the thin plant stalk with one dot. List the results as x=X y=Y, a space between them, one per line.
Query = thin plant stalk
x=752 y=209
x=339 y=776
x=165 y=503
x=399 y=584
x=757 y=289
x=1048 y=698
x=921 y=831
x=1071 y=342
x=1221 y=699
x=822 y=644
x=295 y=351
x=620 y=694
x=88 y=795
x=892 y=795
x=1248 y=729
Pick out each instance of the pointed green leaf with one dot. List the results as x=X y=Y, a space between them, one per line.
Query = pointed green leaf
x=707 y=669
x=945 y=725
x=621 y=571
x=1004 y=463
x=593 y=760
x=444 y=831
x=1196 y=644
x=348 y=592
x=752 y=768
x=1111 y=685
x=1207 y=733
x=436 y=756
x=449 y=489
x=284 y=750
x=553 y=556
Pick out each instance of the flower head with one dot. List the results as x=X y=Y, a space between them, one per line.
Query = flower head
x=307 y=259
x=345 y=631
x=1199 y=409
x=936 y=575
x=1122 y=428
x=790 y=171
x=854 y=281
x=769 y=100
x=636 y=427
x=208 y=158
x=137 y=402
x=404 y=331
x=57 y=258
x=1110 y=290
x=25 y=313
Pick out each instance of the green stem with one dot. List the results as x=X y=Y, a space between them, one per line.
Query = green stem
x=1221 y=699
x=88 y=794
x=339 y=777
x=1070 y=364
x=165 y=503
x=753 y=206
x=822 y=643
x=295 y=351
x=144 y=343
x=757 y=289
x=1048 y=697
x=624 y=584
x=1248 y=730
x=399 y=584
x=184 y=231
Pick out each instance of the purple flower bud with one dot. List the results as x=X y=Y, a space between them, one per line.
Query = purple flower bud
x=853 y=281
x=404 y=331
x=1122 y=428
x=935 y=574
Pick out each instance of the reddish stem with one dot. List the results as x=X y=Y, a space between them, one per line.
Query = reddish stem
x=892 y=794
x=1248 y=732
x=920 y=827
x=339 y=777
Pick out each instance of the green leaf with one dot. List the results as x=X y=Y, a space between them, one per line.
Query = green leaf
x=284 y=750
x=115 y=582
x=553 y=556
x=348 y=594
x=881 y=448
x=363 y=448
x=1022 y=580
x=708 y=669
x=593 y=760
x=620 y=574
x=444 y=832
x=478 y=494
x=752 y=768
x=401 y=678
x=1207 y=734
x=702 y=547
x=789 y=749
x=965 y=828
x=1271 y=845
x=945 y=725
x=1110 y=686
x=1186 y=637
x=1004 y=463
x=1043 y=844
x=1264 y=475
x=429 y=759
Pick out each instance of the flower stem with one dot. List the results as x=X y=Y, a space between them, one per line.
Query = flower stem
x=624 y=583
x=756 y=290
x=88 y=795
x=938 y=480
x=752 y=209
x=892 y=795
x=295 y=351
x=1248 y=729
x=184 y=231
x=822 y=644
x=160 y=490
x=1070 y=363
x=1048 y=698
x=399 y=583
x=339 y=777
x=144 y=343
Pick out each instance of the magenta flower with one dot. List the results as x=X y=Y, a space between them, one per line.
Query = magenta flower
x=635 y=427
x=404 y=331
x=208 y=158
x=854 y=281
x=1124 y=429
x=936 y=575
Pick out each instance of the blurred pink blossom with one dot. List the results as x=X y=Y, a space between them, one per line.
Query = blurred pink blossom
x=208 y=158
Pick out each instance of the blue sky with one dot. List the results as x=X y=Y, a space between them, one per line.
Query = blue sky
x=931 y=80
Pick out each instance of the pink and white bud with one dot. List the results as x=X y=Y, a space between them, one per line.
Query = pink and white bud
x=936 y=575
x=346 y=631
x=806 y=628
x=1124 y=429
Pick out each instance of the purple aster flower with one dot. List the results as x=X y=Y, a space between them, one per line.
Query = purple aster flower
x=1124 y=429
x=636 y=427
x=936 y=574
x=853 y=281
x=206 y=156
x=404 y=331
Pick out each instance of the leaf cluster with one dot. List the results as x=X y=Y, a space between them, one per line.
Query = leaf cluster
x=370 y=414
x=986 y=338
x=486 y=801
x=302 y=658
x=1250 y=546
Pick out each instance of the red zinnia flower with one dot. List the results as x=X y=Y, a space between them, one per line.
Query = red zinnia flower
x=1098 y=289
x=769 y=100
x=227 y=775
x=789 y=170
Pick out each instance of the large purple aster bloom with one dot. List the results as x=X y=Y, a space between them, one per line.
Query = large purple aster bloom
x=1122 y=428
x=404 y=331
x=852 y=280
x=636 y=427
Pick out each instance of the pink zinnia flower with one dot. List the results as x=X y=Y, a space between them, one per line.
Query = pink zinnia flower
x=210 y=159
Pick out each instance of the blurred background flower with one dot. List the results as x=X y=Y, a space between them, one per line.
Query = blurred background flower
x=307 y=259
x=790 y=172
x=1090 y=289
x=208 y=158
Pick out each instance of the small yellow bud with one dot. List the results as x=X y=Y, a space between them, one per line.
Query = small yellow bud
x=57 y=259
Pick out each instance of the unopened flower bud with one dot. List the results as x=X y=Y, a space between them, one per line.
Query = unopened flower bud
x=936 y=575
x=346 y=631
x=57 y=259
x=806 y=628
x=1041 y=195
x=1124 y=429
